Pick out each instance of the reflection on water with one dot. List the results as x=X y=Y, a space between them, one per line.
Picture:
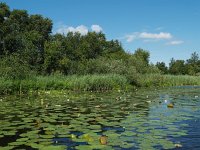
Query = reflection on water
x=139 y=120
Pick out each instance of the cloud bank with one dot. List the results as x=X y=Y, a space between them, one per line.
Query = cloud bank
x=175 y=42
x=152 y=37
x=83 y=30
x=147 y=35
x=161 y=35
x=96 y=28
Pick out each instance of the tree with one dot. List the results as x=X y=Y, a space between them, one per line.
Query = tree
x=143 y=55
x=55 y=58
x=193 y=59
x=17 y=21
x=162 y=67
x=31 y=53
x=93 y=45
x=193 y=64
x=41 y=25
x=4 y=12
x=177 y=67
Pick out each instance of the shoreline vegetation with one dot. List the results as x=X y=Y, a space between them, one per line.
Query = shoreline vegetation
x=92 y=83
x=34 y=58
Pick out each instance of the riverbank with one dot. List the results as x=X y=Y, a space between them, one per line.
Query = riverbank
x=158 y=80
x=100 y=83
x=59 y=82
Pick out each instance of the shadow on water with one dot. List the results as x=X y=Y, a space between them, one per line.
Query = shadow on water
x=139 y=120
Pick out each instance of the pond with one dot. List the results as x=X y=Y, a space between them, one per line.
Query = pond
x=145 y=119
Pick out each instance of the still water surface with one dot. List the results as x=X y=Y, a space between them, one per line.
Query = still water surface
x=121 y=120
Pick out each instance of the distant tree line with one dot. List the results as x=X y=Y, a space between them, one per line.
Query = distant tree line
x=28 y=47
x=181 y=67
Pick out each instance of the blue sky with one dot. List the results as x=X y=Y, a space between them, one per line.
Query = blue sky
x=166 y=28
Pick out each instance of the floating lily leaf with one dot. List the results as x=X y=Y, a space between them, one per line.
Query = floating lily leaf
x=49 y=129
x=47 y=136
x=94 y=127
x=46 y=143
x=63 y=136
x=22 y=139
x=84 y=147
x=93 y=147
x=16 y=143
x=126 y=145
x=7 y=148
x=9 y=133
x=34 y=145
x=1 y=135
x=54 y=148
x=129 y=133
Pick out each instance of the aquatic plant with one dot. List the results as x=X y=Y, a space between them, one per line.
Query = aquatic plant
x=158 y=80
x=74 y=82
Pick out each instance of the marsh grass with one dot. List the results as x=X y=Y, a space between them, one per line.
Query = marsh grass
x=103 y=82
x=60 y=82
x=159 y=80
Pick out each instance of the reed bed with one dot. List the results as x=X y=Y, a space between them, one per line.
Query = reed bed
x=60 y=82
x=159 y=80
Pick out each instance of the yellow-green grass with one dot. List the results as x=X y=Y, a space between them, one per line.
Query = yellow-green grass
x=59 y=82
x=149 y=80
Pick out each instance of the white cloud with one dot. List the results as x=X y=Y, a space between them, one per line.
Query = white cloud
x=96 y=28
x=63 y=29
x=130 y=37
x=175 y=42
x=161 y=35
x=83 y=30
x=148 y=36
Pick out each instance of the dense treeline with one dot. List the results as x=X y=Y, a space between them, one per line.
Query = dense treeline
x=181 y=67
x=28 y=48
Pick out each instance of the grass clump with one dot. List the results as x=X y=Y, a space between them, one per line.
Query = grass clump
x=60 y=82
x=158 y=80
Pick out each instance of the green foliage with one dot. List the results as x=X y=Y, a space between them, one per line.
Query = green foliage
x=158 y=80
x=4 y=12
x=60 y=82
x=12 y=67
x=143 y=55
x=193 y=64
x=181 y=67
x=22 y=38
x=177 y=67
x=162 y=67
x=53 y=54
x=40 y=24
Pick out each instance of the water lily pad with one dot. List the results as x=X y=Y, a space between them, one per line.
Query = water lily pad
x=1 y=135
x=35 y=145
x=54 y=148
x=126 y=145
x=16 y=143
x=47 y=136
x=22 y=139
x=93 y=147
x=49 y=129
x=8 y=133
x=7 y=148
